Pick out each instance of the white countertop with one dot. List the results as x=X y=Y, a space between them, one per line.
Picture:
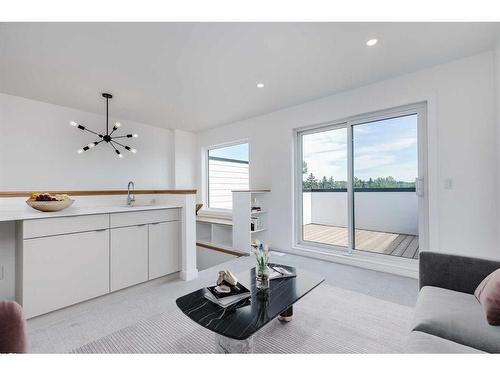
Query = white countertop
x=30 y=213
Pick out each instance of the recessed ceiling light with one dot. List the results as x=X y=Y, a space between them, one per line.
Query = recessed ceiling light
x=371 y=42
x=260 y=85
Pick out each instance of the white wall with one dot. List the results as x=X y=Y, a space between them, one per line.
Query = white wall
x=462 y=146
x=184 y=160
x=38 y=150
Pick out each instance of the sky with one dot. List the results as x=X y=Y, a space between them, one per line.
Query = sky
x=381 y=149
x=237 y=152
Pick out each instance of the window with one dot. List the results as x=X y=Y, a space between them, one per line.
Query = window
x=357 y=184
x=227 y=171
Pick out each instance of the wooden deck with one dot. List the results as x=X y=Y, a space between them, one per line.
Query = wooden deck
x=401 y=245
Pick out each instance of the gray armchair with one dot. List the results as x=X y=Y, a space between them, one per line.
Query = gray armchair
x=454 y=272
x=448 y=318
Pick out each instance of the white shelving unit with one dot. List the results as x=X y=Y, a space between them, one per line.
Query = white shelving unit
x=214 y=232
x=243 y=201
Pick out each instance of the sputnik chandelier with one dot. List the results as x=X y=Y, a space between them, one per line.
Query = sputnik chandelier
x=108 y=137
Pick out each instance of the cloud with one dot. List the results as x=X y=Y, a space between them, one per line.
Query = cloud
x=396 y=145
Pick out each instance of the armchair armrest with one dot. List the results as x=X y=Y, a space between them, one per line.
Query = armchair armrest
x=455 y=272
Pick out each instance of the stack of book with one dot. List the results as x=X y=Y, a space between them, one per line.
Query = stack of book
x=237 y=294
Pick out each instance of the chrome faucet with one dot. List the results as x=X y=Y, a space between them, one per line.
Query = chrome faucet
x=130 y=197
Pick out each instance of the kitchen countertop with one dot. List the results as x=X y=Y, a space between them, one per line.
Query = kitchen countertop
x=28 y=213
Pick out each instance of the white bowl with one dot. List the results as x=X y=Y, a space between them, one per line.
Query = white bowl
x=50 y=206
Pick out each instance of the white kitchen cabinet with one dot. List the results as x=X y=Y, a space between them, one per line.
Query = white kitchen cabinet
x=59 y=271
x=163 y=249
x=129 y=256
x=66 y=260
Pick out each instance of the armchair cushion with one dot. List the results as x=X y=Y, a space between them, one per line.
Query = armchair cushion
x=457 y=317
x=488 y=293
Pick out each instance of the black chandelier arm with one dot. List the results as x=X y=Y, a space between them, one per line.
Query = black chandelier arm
x=118 y=143
x=116 y=150
x=112 y=145
x=87 y=147
x=93 y=132
x=124 y=136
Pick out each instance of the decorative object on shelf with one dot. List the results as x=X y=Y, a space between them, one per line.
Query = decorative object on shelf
x=255 y=223
x=255 y=205
x=261 y=252
x=47 y=203
x=198 y=207
x=108 y=137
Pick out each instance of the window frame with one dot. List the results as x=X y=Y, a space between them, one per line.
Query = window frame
x=420 y=108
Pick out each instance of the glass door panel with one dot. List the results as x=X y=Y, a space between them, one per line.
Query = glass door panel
x=324 y=187
x=385 y=167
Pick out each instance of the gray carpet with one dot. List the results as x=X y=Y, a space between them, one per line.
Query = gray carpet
x=327 y=320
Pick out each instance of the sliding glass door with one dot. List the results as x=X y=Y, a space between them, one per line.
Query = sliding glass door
x=361 y=184
x=385 y=168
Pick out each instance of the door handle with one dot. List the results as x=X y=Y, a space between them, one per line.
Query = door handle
x=419 y=186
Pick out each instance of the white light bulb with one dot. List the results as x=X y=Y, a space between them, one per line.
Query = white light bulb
x=73 y=123
x=135 y=135
x=371 y=42
x=80 y=151
x=91 y=145
x=260 y=85
x=120 y=156
x=117 y=124
x=133 y=150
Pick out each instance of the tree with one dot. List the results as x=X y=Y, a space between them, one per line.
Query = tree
x=304 y=167
x=310 y=182
x=324 y=183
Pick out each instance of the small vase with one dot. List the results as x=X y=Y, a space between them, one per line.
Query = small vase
x=262 y=277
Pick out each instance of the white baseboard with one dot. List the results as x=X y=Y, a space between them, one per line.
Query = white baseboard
x=376 y=263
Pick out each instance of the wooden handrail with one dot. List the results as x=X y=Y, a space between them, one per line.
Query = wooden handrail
x=11 y=194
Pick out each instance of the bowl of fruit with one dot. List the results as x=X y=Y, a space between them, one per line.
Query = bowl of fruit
x=49 y=203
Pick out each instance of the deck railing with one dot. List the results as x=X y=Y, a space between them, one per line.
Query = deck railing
x=392 y=210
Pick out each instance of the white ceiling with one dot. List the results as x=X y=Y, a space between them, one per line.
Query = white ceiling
x=197 y=75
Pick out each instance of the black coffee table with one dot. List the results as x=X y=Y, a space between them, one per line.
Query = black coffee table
x=236 y=324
